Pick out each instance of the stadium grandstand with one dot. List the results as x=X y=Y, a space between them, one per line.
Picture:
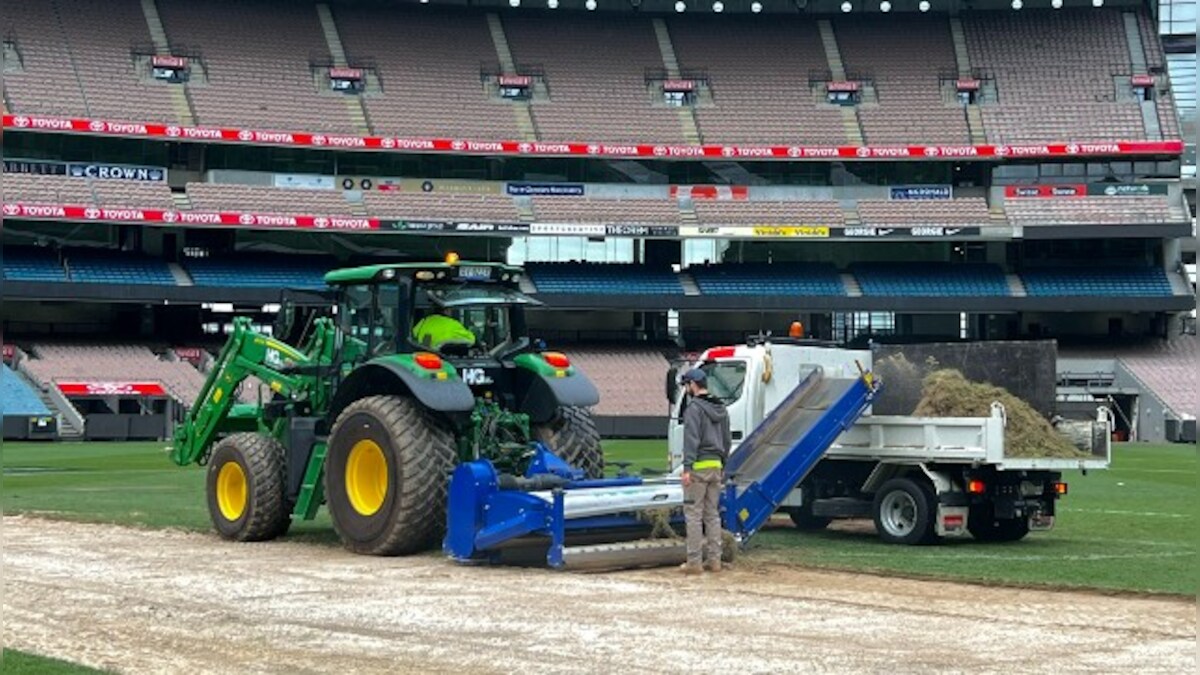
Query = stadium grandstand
x=673 y=174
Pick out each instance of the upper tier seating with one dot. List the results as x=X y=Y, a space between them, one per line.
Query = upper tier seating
x=256 y=56
x=1054 y=73
x=779 y=279
x=16 y=396
x=1097 y=281
x=930 y=279
x=124 y=363
x=585 y=210
x=68 y=191
x=758 y=70
x=904 y=56
x=603 y=279
x=222 y=197
x=441 y=206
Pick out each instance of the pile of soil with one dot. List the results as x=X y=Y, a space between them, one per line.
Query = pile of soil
x=946 y=393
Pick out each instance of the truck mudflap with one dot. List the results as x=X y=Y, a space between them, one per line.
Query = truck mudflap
x=1041 y=522
x=951 y=521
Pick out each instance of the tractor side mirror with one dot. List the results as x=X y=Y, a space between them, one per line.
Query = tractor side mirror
x=673 y=384
x=285 y=320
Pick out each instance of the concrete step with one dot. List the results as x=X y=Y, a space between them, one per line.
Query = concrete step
x=182 y=278
x=182 y=201
x=523 y=114
x=852 y=126
x=690 y=287
x=500 y=41
x=833 y=55
x=975 y=125
x=333 y=39
x=666 y=48
x=852 y=288
x=182 y=105
x=850 y=215
x=1016 y=287
x=158 y=33
x=1133 y=40
x=962 y=57
x=691 y=130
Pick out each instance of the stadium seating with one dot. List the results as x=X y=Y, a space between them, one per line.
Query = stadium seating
x=36 y=189
x=1168 y=114
x=119 y=363
x=113 y=267
x=585 y=210
x=780 y=279
x=45 y=84
x=16 y=397
x=1165 y=366
x=441 y=206
x=431 y=83
x=142 y=194
x=969 y=211
x=256 y=55
x=593 y=96
x=32 y=264
x=1054 y=74
x=762 y=212
x=904 y=55
x=630 y=379
x=1097 y=281
x=602 y=279
x=225 y=197
x=758 y=71
x=930 y=279
x=1090 y=211
x=259 y=271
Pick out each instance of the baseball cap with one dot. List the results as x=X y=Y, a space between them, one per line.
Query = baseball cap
x=694 y=375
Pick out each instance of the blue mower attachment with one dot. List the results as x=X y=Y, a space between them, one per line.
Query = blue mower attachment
x=554 y=516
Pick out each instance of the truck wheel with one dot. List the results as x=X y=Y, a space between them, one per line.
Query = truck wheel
x=904 y=512
x=803 y=518
x=984 y=525
x=386 y=476
x=245 y=488
x=572 y=436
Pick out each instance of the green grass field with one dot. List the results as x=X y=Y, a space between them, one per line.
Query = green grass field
x=20 y=663
x=1131 y=528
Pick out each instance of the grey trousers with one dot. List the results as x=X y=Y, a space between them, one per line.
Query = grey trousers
x=701 y=509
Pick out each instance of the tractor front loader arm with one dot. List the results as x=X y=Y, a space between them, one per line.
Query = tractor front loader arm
x=286 y=370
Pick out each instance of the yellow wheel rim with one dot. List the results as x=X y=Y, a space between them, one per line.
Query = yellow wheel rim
x=232 y=491
x=366 y=477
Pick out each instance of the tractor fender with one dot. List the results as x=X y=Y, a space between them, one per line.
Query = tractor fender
x=545 y=394
x=395 y=375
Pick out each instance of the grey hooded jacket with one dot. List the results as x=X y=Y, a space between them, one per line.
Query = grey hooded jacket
x=706 y=433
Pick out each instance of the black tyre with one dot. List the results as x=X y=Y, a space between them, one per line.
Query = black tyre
x=572 y=436
x=803 y=518
x=245 y=488
x=984 y=525
x=386 y=476
x=904 y=512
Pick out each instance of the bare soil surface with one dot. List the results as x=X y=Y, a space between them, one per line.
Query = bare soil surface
x=148 y=601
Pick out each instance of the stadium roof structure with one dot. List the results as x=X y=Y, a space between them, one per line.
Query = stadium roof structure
x=770 y=6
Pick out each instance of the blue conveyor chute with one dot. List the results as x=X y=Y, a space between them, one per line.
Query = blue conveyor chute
x=553 y=515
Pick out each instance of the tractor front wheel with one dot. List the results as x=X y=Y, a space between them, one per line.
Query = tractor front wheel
x=386 y=474
x=245 y=488
x=572 y=436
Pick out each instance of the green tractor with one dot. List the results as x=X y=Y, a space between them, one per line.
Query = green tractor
x=370 y=416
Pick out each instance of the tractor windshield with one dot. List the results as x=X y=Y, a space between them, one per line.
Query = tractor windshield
x=369 y=314
x=467 y=320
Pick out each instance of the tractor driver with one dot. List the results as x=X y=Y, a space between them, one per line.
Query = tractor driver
x=440 y=329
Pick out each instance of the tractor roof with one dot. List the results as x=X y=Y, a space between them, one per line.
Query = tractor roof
x=458 y=271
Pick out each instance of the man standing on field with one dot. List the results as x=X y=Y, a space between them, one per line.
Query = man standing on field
x=706 y=446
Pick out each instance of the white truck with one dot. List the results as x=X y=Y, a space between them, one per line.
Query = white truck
x=919 y=478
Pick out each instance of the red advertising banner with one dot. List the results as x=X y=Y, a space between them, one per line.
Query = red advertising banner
x=345 y=73
x=841 y=86
x=111 y=388
x=966 y=84
x=723 y=192
x=678 y=85
x=63 y=212
x=551 y=149
x=1044 y=191
x=192 y=354
x=1142 y=80
x=515 y=81
x=173 y=62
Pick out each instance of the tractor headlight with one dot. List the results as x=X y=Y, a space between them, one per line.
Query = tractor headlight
x=424 y=275
x=441 y=275
x=388 y=274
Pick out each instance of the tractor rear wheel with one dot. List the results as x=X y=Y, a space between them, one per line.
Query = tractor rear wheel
x=386 y=475
x=245 y=488
x=572 y=435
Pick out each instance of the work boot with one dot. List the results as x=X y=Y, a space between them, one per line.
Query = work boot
x=689 y=568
